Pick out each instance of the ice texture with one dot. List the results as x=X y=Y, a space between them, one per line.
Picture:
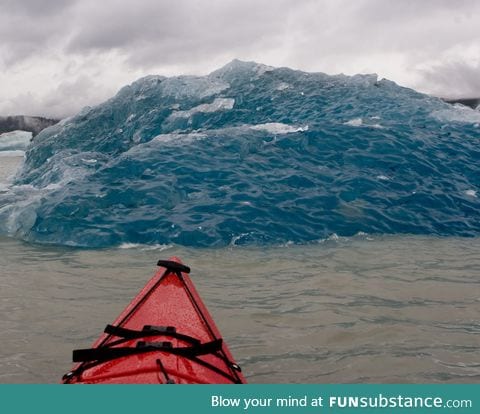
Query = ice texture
x=250 y=154
x=15 y=141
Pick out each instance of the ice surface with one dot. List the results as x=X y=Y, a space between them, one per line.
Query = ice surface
x=219 y=104
x=249 y=154
x=15 y=141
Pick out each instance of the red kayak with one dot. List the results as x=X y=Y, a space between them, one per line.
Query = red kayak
x=164 y=336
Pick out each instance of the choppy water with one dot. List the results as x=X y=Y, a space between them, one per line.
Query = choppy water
x=391 y=309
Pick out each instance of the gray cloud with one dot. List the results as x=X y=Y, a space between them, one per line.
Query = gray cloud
x=65 y=98
x=34 y=8
x=169 y=31
x=28 y=27
x=461 y=79
x=56 y=56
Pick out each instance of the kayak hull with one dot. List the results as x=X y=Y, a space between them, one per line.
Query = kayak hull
x=165 y=335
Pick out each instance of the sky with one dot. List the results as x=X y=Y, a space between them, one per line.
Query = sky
x=57 y=56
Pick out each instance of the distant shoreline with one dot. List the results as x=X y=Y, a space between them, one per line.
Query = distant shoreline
x=470 y=102
x=33 y=124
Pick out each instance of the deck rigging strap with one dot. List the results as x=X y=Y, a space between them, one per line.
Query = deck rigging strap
x=147 y=331
x=105 y=353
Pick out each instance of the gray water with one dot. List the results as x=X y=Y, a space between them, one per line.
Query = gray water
x=382 y=310
x=367 y=309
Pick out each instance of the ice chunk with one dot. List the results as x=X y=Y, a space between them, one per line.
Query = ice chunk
x=15 y=140
x=208 y=158
x=282 y=86
x=457 y=113
x=356 y=122
x=219 y=104
x=278 y=128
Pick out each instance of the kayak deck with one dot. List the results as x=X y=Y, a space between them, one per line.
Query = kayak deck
x=165 y=335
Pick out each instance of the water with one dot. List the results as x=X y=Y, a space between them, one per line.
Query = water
x=391 y=309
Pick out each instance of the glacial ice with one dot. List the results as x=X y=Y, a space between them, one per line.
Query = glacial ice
x=15 y=141
x=249 y=154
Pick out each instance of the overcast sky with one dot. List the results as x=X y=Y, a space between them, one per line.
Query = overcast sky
x=57 y=56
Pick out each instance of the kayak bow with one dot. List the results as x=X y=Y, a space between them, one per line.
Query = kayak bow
x=165 y=335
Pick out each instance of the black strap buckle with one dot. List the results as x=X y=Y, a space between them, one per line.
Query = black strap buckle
x=173 y=267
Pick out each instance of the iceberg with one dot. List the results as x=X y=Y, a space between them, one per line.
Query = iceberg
x=249 y=155
x=15 y=141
